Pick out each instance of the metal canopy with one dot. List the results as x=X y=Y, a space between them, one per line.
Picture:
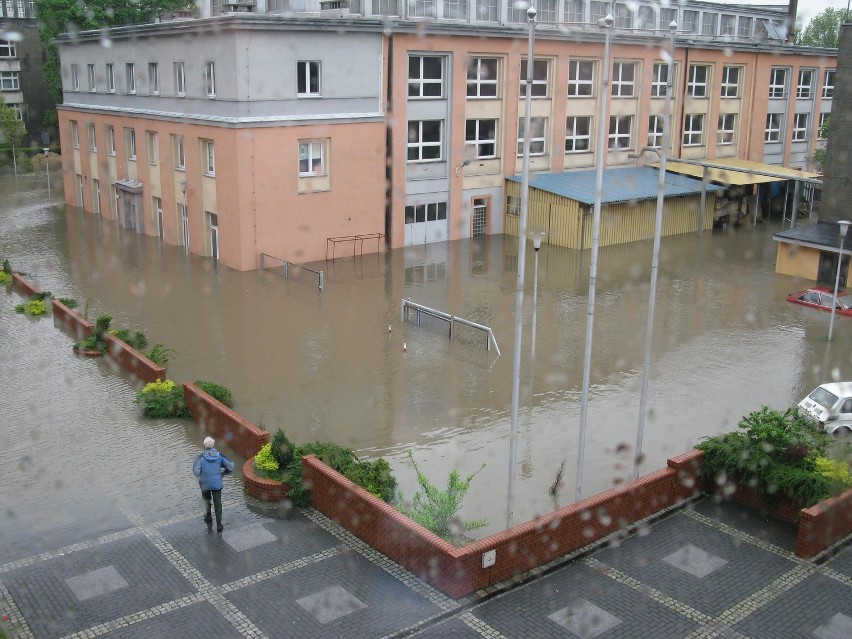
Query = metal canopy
x=735 y=171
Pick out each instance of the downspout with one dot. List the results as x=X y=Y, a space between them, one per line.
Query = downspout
x=389 y=143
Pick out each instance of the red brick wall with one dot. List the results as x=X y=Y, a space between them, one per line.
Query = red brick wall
x=223 y=423
x=823 y=524
x=71 y=321
x=261 y=487
x=23 y=286
x=132 y=361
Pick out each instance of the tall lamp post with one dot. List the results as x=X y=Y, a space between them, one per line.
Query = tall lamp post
x=606 y=24
x=522 y=253
x=537 y=238
x=655 y=259
x=844 y=226
x=47 y=166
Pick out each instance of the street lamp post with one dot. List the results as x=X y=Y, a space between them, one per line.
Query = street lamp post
x=606 y=24
x=47 y=166
x=537 y=238
x=844 y=226
x=655 y=259
x=522 y=252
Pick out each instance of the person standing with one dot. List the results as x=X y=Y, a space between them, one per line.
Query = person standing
x=209 y=467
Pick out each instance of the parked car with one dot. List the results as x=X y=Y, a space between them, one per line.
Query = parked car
x=831 y=406
x=821 y=298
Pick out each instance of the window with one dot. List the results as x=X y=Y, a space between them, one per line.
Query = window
x=10 y=81
x=482 y=78
x=697 y=85
x=727 y=128
x=311 y=158
x=729 y=25
x=581 y=75
x=153 y=151
x=385 y=8
x=425 y=140
x=744 y=27
x=578 y=134
x=209 y=80
x=800 y=127
x=110 y=78
x=488 y=10
x=730 y=82
x=804 y=89
x=647 y=18
x=308 y=77
x=110 y=140
x=90 y=69
x=693 y=129
x=130 y=70
x=655 y=131
x=773 y=127
x=777 y=83
x=75 y=134
x=425 y=76
x=513 y=205
x=153 y=78
x=710 y=24
x=208 y=157
x=75 y=78
x=548 y=11
x=598 y=10
x=539 y=87
x=659 y=79
x=538 y=136
x=574 y=11
x=130 y=137
x=623 y=16
x=690 y=21
x=96 y=196
x=180 y=79
x=667 y=16
x=623 y=74
x=481 y=139
x=828 y=84
x=157 y=205
x=8 y=49
x=431 y=212
x=821 y=132
x=620 y=135
x=90 y=133
x=178 y=152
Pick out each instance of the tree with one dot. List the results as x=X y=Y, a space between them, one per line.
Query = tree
x=70 y=16
x=819 y=154
x=823 y=29
x=12 y=130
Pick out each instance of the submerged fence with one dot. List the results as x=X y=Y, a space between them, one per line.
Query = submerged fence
x=454 y=323
x=288 y=265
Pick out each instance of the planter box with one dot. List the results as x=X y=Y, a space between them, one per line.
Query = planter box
x=261 y=487
x=23 y=286
x=134 y=362
x=71 y=321
x=240 y=434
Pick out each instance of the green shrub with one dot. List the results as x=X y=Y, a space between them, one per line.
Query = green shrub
x=160 y=354
x=42 y=295
x=282 y=449
x=216 y=391
x=163 y=399
x=135 y=340
x=7 y=268
x=32 y=307
x=70 y=302
x=265 y=464
x=5 y=278
x=837 y=473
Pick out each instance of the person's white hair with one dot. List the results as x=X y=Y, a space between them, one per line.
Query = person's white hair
x=209 y=442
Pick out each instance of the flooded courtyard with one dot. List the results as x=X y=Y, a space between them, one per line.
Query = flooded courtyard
x=340 y=365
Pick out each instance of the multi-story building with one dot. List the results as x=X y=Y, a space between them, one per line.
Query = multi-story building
x=22 y=54
x=270 y=129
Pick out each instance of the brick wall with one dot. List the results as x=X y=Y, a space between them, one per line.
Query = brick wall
x=140 y=367
x=823 y=524
x=223 y=423
x=71 y=321
x=261 y=487
x=23 y=286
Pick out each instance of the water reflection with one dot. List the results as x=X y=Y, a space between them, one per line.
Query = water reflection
x=323 y=365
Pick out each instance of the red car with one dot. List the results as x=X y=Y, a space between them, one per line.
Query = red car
x=821 y=298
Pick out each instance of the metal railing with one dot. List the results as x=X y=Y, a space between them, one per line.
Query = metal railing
x=320 y=274
x=419 y=310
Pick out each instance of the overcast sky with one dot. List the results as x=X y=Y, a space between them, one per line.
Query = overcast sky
x=807 y=8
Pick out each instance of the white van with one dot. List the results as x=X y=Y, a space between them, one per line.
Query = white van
x=831 y=406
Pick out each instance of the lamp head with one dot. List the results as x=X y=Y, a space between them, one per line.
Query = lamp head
x=844 y=226
x=531 y=13
x=606 y=22
x=537 y=237
x=673 y=26
x=46 y=151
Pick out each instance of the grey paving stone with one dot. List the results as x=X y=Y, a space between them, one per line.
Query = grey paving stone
x=749 y=568
x=768 y=529
x=453 y=628
x=197 y=621
x=838 y=627
x=331 y=603
x=389 y=605
x=95 y=583
x=215 y=555
x=585 y=619
x=842 y=561
x=809 y=608
x=694 y=560
x=52 y=609
x=528 y=611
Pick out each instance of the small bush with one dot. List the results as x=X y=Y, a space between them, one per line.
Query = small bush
x=282 y=449
x=161 y=355
x=42 y=295
x=32 y=307
x=163 y=399
x=216 y=391
x=837 y=473
x=135 y=340
x=7 y=268
x=70 y=302
x=5 y=278
x=265 y=464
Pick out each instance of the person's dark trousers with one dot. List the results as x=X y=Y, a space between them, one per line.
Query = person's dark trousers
x=216 y=495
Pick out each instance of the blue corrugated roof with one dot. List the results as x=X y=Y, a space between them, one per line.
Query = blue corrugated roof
x=624 y=184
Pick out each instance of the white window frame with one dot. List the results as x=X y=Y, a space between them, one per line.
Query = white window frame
x=623 y=16
x=578 y=85
x=130 y=139
x=698 y=87
x=620 y=128
x=655 y=131
x=574 y=11
x=75 y=78
x=210 y=79
x=75 y=134
x=828 y=86
x=598 y=10
x=208 y=157
x=805 y=84
x=130 y=71
x=153 y=147
x=576 y=140
x=800 y=127
x=90 y=133
x=709 y=23
x=538 y=136
x=110 y=77
x=691 y=21
x=421 y=82
x=693 y=129
x=480 y=83
x=96 y=196
x=419 y=146
x=110 y=140
x=8 y=49
x=621 y=87
x=90 y=72
x=153 y=78
x=744 y=26
x=179 y=152
x=731 y=87
x=660 y=79
x=540 y=85
x=481 y=138
x=313 y=153
x=778 y=82
x=180 y=79
x=667 y=16
x=773 y=128
x=822 y=118
x=308 y=74
x=729 y=29
x=10 y=81
x=726 y=132
x=429 y=212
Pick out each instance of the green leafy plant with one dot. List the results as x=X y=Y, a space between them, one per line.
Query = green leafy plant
x=282 y=449
x=265 y=464
x=70 y=302
x=42 y=295
x=216 y=391
x=837 y=473
x=5 y=278
x=97 y=340
x=437 y=509
x=135 y=340
x=32 y=307
x=161 y=355
x=773 y=454
x=162 y=399
x=7 y=268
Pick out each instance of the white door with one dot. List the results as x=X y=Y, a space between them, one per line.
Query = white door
x=426 y=223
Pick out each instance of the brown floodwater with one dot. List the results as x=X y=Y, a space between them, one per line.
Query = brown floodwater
x=340 y=365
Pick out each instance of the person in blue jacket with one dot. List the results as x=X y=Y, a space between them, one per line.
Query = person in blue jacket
x=209 y=467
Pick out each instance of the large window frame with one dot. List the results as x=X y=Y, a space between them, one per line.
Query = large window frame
x=179 y=152
x=153 y=78
x=623 y=81
x=778 y=82
x=698 y=81
x=425 y=141
x=730 y=81
x=90 y=133
x=800 y=127
x=655 y=131
x=110 y=77
x=180 y=79
x=308 y=78
x=130 y=77
x=152 y=147
x=693 y=129
x=482 y=77
x=773 y=128
x=110 y=140
x=425 y=77
x=828 y=84
x=8 y=49
x=805 y=84
x=430 y=212
x=10 y=80
x=130 y=140
x=581 y=78
x=578 y=134
x=726 y=132
x=660 y=79
x=75 y=78
x=312 y=158
x=481 y=138
x=210 y=79
x=90 y=74
x=620 y=133
x=541 y=78
x=538 y=136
